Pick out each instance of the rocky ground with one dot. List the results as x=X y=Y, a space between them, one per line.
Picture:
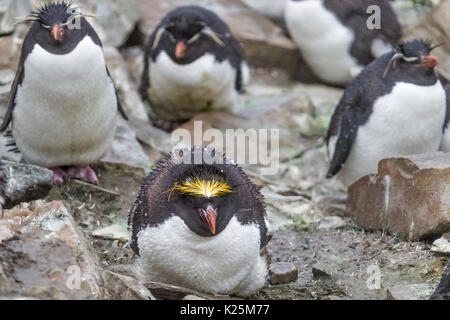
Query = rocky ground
x=72 y=243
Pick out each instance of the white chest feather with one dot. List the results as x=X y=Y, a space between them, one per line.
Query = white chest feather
x=324 y=42
x=189 y=89
x=66 y=107
x=229 y=263
x=407 y=121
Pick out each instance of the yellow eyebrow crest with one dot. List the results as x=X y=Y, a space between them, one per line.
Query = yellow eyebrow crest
x=202 y=188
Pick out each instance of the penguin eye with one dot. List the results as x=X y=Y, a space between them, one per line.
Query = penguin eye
x=171 y=37
x=195 y=38
x=410 y=59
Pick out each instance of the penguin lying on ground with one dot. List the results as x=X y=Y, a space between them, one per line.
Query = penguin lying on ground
x=192 y=64
x=63 y=103
x=445 y=145
x=395 y=107
x=201 y=226
x=334 y=38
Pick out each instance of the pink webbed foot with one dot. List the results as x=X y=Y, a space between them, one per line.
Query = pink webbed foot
x=58 y=175
x=83 y=173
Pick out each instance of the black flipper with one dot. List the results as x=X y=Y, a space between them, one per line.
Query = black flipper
x=12 y=98
x=348 y=130
x=145 y=79
x=238 y=52
x=119 y=104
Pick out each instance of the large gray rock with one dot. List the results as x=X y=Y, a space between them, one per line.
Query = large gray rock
x=23 y=182
x=122 y=287
x=409 y=197
x=46 y=255
x=126 y=149
x=420 y=291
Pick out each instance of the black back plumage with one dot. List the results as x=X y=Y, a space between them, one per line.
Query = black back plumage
x=442 y=291
x=447 y=115
x=373 y=82
x=188 y=18
x=38 y=34
x=154 y=203
x=353 y=14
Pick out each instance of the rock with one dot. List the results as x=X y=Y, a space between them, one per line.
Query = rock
x=289 y=210
x=289 y=108
x=9 y=10
x=113 y=232
x=191 y=297
x=282 y=272
x=331 y=223
x=322 y=270
x=126 y=149
x=171 y=292
x=117 y=18
x=436 y=26
x=442 y=291
x=153 y=137
x=408 y=197
x=290 y=143
x=48 y=257
x=6 y=231
x=264 y=42
x=120 y=287
x=410 y=13
x=332 y=205
x=421 y=291
x=24 y=182
x=441 y=245
x=128 y=92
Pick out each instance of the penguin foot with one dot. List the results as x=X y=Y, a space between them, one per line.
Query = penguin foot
x=58 y=175
x=83 y=173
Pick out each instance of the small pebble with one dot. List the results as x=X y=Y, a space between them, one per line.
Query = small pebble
x=283 y=272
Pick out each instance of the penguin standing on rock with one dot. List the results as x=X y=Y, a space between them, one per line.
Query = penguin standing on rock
x=192 y=64
x=334 y=36
x=199 y=222
x=395 y=107
x=63 y=103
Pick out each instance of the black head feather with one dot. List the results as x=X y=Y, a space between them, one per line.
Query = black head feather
x=54 y=12
x=415 y=48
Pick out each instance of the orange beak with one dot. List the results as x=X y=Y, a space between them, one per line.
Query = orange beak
x=180 y=50
x=429 y=61
x=57 y=33
x=209 y=217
